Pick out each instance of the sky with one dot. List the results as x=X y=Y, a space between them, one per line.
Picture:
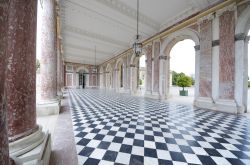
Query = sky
x=182 y=57
x=142 y=61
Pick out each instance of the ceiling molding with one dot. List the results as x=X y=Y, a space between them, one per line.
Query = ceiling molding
x=78 y=37
x=130 y=12
x=86 y=49
x=94 y=35
x=84 y=56
x=186 y=13
x=81 y=60
x=98 y=15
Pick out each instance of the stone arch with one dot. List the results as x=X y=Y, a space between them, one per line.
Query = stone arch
x=85 y=71
x=172 y=39
x=109 y=76
x=166 y=46
x=119 y=72
x=241 y=60
x=134 y=68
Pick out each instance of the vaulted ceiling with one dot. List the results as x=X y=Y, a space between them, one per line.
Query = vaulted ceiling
x=110 y=25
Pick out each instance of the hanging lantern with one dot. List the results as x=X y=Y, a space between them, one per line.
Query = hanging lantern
x=137 y=46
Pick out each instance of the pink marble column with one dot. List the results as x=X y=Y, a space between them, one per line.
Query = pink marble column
x=21 y=73
x=156 y=66
x=4 y=146
x=227 y=55
x=148 y=50
x=206 y=59
x=47 y=50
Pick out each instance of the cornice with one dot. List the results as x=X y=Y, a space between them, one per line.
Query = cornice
x=129 y=12
x=86 y=49
x=94 y=35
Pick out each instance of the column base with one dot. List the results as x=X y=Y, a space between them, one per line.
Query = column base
x=48 y=108
x=156 y=95
x=148 y=94
x=228 y=106
x=33 y=149
x=60 y=95
x=122 y=90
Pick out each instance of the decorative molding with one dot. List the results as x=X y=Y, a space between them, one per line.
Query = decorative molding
x=99 y=16
x=86 y=49
x=132 y=65
x=164 y=57
x=129 y=12
x=181 y=16
x=215 y=43
x=208 y=17
x=240 y=36
x=197 y=47
x=94 y=35
x=232 y=7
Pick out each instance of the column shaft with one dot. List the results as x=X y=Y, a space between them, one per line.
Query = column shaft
x=47 y=50
x=21 y=73
x=4 y=149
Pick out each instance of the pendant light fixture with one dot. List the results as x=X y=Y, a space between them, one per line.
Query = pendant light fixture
x=137 y=46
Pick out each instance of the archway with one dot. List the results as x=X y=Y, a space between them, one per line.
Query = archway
x=109 y=77
x=141 y=75
x=241 y=61
x=119 y=74
x=167 y=45
x=182 y=63
x=138 y=74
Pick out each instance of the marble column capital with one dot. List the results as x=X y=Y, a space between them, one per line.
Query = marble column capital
x=132 y=66
x=240 y=36
x=206 y=18
x=232 y=7
x=164 y=57
x=197 y=47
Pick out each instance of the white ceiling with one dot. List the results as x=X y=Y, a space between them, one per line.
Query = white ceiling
x=110 y=25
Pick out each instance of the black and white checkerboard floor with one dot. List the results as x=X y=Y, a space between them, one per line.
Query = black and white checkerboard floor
x=118 y=129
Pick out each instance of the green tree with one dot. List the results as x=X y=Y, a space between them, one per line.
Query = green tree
x=184 y=81
x=175 y=77
x=140 y=81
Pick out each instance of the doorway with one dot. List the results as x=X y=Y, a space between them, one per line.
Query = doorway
x=82 y=81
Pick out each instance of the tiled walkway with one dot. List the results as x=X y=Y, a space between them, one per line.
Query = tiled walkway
x=117 y=129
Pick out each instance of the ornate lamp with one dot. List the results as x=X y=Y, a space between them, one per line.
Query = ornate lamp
x=137 y=46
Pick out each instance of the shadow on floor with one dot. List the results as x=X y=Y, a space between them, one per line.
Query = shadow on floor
x=63 y=144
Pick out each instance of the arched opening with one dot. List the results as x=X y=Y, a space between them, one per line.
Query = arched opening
x=182 y=70
x=141 y=75
x=138 y=75
x=109 y=77
x=241 y=91
x=120 y=74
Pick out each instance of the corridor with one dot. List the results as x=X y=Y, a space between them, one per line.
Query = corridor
x=112 y=128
